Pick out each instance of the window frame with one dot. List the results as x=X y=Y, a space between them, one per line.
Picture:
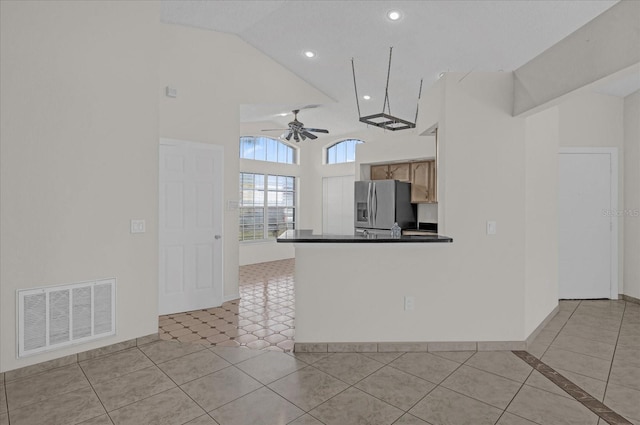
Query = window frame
x=336 y=145
x=286 y=204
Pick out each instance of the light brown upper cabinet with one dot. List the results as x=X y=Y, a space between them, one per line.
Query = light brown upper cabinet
x=421 y=174
x=393 y=171
x=423 y=182
x=379 y=172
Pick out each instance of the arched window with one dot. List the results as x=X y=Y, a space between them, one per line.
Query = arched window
x=343 y=151
x=262 y=148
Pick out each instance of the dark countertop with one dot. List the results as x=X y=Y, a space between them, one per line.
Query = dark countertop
x=306 y=236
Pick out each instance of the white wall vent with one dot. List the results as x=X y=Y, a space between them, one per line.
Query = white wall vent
x=56 y=316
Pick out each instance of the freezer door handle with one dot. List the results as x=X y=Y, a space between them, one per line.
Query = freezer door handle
x=374 y=201
x=369 y=204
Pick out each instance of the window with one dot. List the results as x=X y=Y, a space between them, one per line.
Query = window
x=267 y=206
x=344 y=151
x=266 y=149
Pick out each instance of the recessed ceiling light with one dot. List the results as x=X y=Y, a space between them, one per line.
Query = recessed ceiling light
x=366 y=97
x=310 y=54
x=441 y=75
x=394 y=15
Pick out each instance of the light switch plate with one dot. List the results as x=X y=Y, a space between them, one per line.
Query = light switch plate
x=491 y=227
x=138 y=226
x=409 y=303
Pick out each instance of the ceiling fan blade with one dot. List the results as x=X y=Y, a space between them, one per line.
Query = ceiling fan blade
x=309 y=135
x=274 y=129
x=317 y=130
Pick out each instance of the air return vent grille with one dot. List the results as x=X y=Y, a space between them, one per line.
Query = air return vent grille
x=57 y=316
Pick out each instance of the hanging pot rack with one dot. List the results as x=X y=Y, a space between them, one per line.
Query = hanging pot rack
x=384 y=119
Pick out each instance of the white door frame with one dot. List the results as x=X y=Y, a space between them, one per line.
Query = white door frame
x=219 y=173
x=613 y=155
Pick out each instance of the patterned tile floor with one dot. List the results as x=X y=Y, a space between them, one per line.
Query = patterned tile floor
x=594 y=344
x=262 y=318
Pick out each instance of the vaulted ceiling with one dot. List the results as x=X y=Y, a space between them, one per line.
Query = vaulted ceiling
x=430 y=37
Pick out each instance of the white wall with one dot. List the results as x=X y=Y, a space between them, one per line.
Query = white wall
x=541 y=216
x=215 y=73
x=631 y=271
x=79 y=157
x=596 y=120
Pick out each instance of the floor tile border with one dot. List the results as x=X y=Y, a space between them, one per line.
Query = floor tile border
x=409 y=346
x=573 y=390
x=37 y=368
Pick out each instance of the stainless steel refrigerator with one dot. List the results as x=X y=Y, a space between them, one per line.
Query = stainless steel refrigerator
x=380 y=203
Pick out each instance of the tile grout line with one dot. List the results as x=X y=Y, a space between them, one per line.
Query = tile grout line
x=514 y=397
x=6 y=399
x=606 y=387
x=581 y=396
x=176 y=385
x=95 y=393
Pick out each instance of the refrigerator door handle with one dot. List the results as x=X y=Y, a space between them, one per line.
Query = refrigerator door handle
x=375 y=204
x=369 y=204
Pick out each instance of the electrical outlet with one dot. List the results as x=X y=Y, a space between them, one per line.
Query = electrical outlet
x=138 y=226
x=409 y=303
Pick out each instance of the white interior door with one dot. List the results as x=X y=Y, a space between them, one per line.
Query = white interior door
x=585 y=225
x=337 y=205
x=190 y=229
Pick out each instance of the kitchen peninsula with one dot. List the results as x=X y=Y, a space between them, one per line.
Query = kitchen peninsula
x=377 y=293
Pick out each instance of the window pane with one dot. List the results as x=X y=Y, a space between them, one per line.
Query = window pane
x=282 y=183
x=272 y=200
x=246 y=148
x=288 y=215
x=272 y=182
x=342 y=152
x=331 y=155
x=351 y=150
x=246 y=180
x=282 y=153
x=259 y=181
x=247 y=198
x=258 y=198
x=272 y=150
x=290 y=185
x=260 y=149
x=286 y=200
x=266 y=149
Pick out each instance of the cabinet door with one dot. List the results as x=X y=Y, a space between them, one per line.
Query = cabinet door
x=423 y=182
x=401 y=172
x=379 y=172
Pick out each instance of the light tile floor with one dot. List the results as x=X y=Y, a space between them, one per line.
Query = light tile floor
x=262 y=318
x=596 y=344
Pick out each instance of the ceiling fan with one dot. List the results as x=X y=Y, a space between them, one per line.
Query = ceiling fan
x=297 y=130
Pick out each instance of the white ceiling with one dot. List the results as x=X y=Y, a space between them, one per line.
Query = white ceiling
x=430 y=38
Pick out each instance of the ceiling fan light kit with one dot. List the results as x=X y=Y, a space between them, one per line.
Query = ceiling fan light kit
x=384 y=119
